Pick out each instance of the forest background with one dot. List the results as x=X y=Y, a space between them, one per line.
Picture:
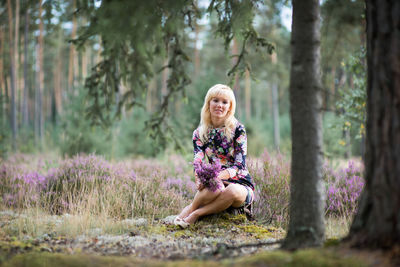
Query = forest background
x=45 y=104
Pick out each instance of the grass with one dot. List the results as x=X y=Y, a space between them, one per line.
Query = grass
x=308 y=257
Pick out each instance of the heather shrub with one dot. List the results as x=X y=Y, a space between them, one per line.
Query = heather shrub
x=271 y=177
x=88 y=184
x=272 y=194
x=91 y=185
x=343 y=188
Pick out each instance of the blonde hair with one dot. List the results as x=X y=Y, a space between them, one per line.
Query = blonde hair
x=205 y=117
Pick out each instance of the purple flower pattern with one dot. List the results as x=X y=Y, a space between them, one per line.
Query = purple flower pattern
x=230 y=153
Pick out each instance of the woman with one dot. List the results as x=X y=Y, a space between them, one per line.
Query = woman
x=219 y=137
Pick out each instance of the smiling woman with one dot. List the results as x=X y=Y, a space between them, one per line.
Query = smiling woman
x=221 y=140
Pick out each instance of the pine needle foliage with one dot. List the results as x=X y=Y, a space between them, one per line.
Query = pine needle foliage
x=134 y=34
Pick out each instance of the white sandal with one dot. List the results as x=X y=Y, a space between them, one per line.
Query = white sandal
x=181 y=222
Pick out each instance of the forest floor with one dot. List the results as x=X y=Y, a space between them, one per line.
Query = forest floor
x=214 y=241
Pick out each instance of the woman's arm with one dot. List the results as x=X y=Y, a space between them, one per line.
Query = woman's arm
x=240 y=152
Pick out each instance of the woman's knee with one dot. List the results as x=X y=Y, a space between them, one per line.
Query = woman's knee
x=235 y=192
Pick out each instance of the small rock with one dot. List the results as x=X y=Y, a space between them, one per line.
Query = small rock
x=135 y=222
x=46 y=249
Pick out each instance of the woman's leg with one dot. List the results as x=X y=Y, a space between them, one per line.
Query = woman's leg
x=233 y=195
x=201 y=198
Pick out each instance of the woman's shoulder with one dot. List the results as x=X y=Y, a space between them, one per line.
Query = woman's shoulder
x=239 y=129
x=239 y=126
x=196 y=132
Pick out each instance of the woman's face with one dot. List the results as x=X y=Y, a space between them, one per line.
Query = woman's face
x=219 y=106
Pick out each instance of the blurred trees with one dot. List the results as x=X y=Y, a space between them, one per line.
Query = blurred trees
x=144 y=50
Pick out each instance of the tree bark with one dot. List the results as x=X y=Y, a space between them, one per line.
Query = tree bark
x=13 y=118
x=377 y=222
x=306 y=223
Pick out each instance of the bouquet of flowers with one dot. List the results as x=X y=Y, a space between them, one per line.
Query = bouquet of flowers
x=208 y=173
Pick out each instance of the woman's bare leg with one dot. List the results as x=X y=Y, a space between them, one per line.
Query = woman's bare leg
x=233 y=195
x=201 y=198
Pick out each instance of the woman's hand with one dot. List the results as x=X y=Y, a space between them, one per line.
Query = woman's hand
x=199 y=185
x=224 y=176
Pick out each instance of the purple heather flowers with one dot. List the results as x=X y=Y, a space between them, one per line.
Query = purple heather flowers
x=208 y=174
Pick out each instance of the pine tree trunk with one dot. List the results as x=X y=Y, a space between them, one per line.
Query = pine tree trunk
x=72 y=56
x=275 y=105
x=275 y=114
x=2 y=82
x=377 y=222
x=16 y=56
x=306 y=224
x=196 y=50
x=41 y=74
x=13 y=77
x=248 y=94
x=236 y=85
x=25 y=117
x=164 y=81
x=57 y=78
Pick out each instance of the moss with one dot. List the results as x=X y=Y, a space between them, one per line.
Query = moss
x=332 y=242
x=62 y=260
x=258 y=231
x=307 y=257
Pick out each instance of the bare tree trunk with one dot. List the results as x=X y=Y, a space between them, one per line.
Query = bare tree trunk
x=25 y=118
x=16 y=58
x=151 y=92
x=306 y=224
x=2 y=82
x=164 y=81
x=41 y=74
x=248 y=94
x=37 y=110
x=377 y=222
x=275 y=114
x=236 y=85
x=57 y=77
x=196 y=50
x=72 y=56
x=13 y=77
x=275 y=106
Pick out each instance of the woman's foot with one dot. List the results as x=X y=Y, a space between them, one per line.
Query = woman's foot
x=181 y=223
x=192 y=218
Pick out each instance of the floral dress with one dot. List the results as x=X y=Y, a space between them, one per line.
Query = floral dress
x=231 y=154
